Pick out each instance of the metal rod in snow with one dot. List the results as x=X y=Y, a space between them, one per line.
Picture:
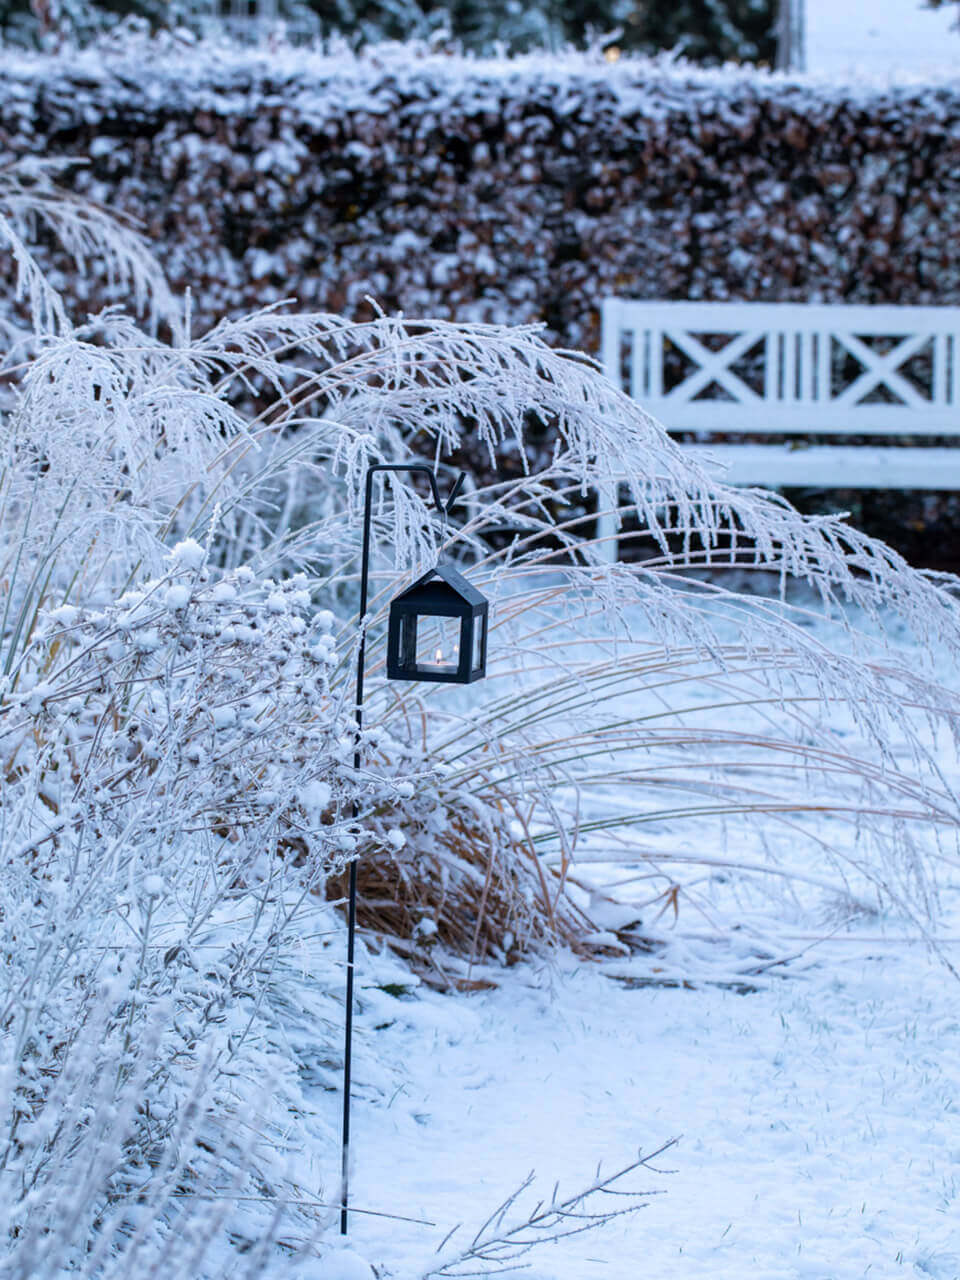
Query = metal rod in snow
x=443 y=509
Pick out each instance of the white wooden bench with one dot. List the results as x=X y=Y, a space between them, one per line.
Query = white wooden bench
x=796 y=370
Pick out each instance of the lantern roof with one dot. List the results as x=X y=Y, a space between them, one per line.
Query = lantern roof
x=454 y=579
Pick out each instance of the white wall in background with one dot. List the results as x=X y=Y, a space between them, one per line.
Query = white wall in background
x=880 y=35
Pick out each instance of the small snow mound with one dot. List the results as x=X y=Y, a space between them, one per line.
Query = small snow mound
x=316 y=795
x=177 y=597
x=224 y=717
x=323 y=650
x=609 y=915
x=223 y=592
x=188 y=554
x=66 y=615
x=346 y=1265
x=609 y=941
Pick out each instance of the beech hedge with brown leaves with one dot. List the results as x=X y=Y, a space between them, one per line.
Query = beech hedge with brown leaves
x=508 y=191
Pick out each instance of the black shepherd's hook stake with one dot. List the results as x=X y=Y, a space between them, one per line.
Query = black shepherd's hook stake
x=444 y=509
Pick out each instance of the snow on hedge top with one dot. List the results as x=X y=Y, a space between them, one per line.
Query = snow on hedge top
x=321 y=85
x=507 y=191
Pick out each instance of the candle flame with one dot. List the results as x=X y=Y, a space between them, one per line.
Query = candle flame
x=439 y=657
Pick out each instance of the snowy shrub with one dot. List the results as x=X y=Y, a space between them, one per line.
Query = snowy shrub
x=162 y=754
x=179 y=540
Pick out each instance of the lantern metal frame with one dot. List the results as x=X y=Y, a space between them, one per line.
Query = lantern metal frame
x=440 y=593
x=471 y=609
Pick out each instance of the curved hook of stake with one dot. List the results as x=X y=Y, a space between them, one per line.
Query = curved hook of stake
x=443 y=508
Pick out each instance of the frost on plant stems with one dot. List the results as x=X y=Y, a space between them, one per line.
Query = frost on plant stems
x=179 y=548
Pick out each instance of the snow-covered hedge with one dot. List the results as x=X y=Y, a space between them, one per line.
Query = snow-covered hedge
x=503 y=190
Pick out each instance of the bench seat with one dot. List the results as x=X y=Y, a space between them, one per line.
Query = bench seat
x=780 y=466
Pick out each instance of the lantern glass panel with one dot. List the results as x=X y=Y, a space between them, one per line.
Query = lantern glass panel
x=479 y=641
x=438 y=641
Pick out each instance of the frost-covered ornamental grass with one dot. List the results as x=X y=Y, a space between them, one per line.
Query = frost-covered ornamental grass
x=178 y=540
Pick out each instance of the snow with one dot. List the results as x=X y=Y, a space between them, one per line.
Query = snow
x=810 y=1075
x=345 y=1265
x=315 y=796
x=816 y=1117
x=188 y=554
x=177 y=597
x=223 y=593
x=224 y=717
x=66 y=615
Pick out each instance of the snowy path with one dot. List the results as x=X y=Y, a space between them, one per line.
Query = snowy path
x=820 y=1119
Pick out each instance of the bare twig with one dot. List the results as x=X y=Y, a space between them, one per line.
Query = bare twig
x=496 y=1248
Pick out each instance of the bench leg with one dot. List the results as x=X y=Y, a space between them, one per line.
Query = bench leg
x=608 y=523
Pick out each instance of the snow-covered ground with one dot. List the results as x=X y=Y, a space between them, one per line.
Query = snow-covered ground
x=811 y=1074
x=817 y=1117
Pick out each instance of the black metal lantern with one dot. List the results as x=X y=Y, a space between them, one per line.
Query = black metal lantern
x=438 y=630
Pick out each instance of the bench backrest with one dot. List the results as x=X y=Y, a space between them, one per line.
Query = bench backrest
x=787 y=367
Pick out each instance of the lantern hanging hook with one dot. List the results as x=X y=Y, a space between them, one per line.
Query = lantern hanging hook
x=454 y=492
x=444 y=508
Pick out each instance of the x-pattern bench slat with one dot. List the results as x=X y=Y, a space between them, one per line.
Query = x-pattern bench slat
x=714 y=365
x=881 y=370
